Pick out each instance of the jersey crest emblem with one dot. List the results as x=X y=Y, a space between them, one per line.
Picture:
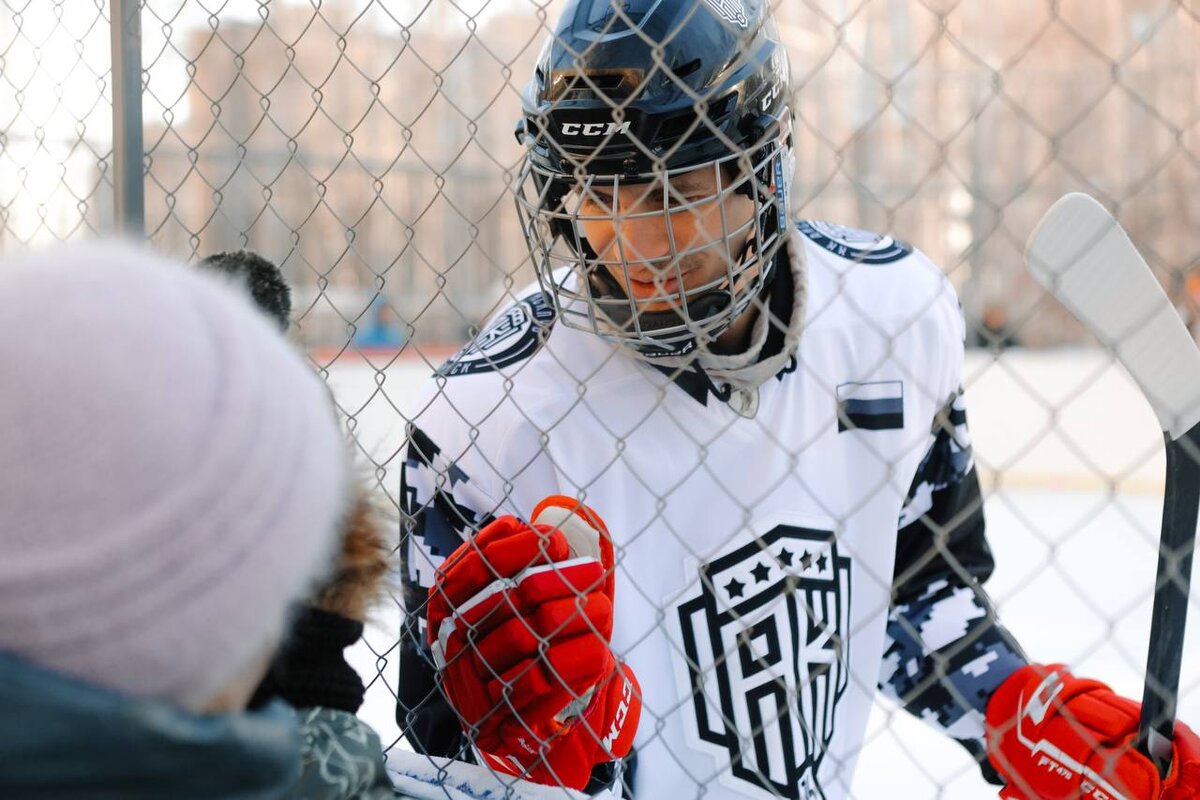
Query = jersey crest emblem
x=513 y=336
x=854 y=244
x=767 y=655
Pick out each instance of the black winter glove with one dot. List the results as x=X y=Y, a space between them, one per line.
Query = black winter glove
x=310 y=669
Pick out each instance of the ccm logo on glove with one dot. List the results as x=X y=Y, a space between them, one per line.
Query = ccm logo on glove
x=622 y=712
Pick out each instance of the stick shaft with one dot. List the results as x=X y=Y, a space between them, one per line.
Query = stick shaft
x=1181 y=503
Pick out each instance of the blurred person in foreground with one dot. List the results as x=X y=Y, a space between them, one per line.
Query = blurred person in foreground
x=768 y=414
x=310 y=669
x=171 y=481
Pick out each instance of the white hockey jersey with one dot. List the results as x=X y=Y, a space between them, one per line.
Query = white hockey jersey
x=756 y=553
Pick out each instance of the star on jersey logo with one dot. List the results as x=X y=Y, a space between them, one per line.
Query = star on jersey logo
x=766 y=654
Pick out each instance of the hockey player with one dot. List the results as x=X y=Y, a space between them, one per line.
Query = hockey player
x=767 y=415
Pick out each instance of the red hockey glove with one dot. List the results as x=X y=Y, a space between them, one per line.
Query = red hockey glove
x=520 y=619
x=1052 y=735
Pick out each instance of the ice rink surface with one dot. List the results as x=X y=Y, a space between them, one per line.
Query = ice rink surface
x=1075 y=552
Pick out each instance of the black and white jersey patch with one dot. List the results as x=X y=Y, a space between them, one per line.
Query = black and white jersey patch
x=854 y=244
x=877 y=406
x=513 y=336
x=766 y=646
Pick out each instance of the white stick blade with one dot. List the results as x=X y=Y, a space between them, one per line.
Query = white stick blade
x=1084 y=258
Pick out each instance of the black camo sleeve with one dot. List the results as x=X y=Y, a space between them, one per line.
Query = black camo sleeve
x=946 y=652
x=438 y=513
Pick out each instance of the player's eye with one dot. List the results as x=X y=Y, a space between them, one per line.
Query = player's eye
x=688 y=198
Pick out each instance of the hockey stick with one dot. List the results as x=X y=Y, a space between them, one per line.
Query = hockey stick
x=1083 y=257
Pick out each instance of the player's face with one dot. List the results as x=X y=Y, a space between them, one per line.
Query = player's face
x=661 y=244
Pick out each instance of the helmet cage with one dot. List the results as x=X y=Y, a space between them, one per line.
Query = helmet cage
x=588 y=295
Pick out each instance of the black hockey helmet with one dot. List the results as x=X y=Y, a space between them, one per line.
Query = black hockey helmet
x=639 y=91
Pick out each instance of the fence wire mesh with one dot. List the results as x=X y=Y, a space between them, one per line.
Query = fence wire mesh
x=367 y=147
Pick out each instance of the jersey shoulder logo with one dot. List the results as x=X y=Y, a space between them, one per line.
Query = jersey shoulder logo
x=767 y=653
x=854 y=244
x=513 y=336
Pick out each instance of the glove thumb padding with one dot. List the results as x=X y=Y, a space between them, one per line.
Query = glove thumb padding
x=1052 y=735
x=584 y=531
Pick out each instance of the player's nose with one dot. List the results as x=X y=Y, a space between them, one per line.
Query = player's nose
x=644 y=239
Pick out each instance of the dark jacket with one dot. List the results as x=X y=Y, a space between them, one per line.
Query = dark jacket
x=62 y=738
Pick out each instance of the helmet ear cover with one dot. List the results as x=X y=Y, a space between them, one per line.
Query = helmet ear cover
x=773 y=172
x=554 y=192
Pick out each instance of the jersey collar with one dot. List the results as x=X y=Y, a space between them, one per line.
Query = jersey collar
x=693 y=379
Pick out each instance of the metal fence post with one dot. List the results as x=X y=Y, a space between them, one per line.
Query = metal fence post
x=128 y=151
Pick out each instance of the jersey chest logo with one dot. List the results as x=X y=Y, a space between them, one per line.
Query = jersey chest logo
x=767 y=656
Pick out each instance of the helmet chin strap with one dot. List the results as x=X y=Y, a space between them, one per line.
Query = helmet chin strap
x=703 y=307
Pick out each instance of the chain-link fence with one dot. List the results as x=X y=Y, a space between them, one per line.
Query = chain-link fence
x=368 y=147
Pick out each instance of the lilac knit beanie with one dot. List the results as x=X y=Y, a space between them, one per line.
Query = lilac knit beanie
x=171 y=473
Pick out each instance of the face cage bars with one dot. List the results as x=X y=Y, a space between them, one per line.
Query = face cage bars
x=552 y=232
